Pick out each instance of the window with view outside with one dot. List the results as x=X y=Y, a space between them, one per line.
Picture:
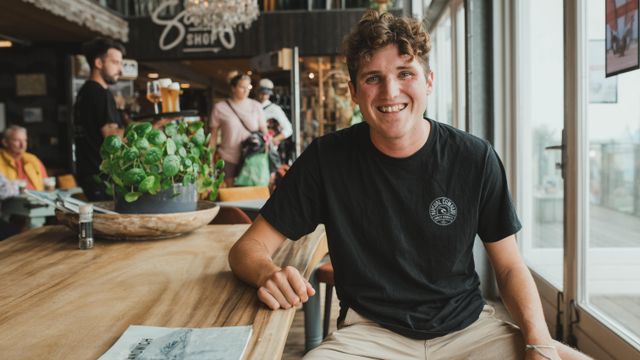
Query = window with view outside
x=612 y=257
x=540 y=113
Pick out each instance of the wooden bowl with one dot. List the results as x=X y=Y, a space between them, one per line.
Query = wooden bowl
x=143 y=226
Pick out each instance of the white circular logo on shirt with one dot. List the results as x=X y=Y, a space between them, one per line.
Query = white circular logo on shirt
x=443 y=211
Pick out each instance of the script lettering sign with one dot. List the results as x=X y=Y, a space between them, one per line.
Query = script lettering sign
x=181 y=30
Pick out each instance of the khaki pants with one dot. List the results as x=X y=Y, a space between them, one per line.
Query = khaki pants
x=486 y=338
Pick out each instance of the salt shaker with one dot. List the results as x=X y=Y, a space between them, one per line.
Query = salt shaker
x=85 y=231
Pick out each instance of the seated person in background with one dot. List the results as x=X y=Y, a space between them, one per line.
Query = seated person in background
x=16 y=163
x=402 y=199
x=7 y=190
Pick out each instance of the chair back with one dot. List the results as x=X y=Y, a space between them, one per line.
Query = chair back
x=67 y=181
x=231 y=215
x=243 y=193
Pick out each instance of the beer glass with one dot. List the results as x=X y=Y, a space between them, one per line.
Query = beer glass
x=174 y=97
x=153 y=94
x=166 y=97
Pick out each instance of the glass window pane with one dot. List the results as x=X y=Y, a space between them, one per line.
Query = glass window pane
x=613 y=120
x=540 y=123
x=441 y=105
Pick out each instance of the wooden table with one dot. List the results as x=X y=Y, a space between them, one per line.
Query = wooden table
x=58 y=302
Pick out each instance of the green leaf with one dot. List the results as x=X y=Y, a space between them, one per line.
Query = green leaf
x=213 y=195
x=195 y=126
x=104 y=165
x=155 y=168
x=131 y=196
x=171 y=165
x=116 y=179
x=208 y=138
x=134 y=176
x=171 y=129
x=195 y=152
x=111 y=144
x=165 y=184
x=152 y=156
x=131 y=136
x=207 y=182
x=182 y=152
x=220 y=164
x=109 y=190
x=147 y=184
x=198 y=137
x=171 y=147
x=131 y=154
x=141 y=144
x=143 y=128
x=156 y=137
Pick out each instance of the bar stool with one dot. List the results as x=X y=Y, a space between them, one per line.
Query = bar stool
x=324 y=274
x=312 y=335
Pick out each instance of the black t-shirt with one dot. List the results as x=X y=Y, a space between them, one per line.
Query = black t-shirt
x=95 y=107
x=400 y=231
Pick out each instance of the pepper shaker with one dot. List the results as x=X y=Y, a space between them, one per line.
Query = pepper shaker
x=85 y=223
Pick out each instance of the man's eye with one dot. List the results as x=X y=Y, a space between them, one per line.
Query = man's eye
x=372 y=79
x=405 y=74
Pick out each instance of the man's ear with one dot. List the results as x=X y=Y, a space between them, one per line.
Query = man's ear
x=429 y=82
x=98 y=63
x=352 y=91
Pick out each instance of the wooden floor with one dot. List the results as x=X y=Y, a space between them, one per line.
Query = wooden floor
x=294 y=348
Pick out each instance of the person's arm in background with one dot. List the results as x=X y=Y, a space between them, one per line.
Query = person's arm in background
x=250 y=260
x=111 y=129
x=43 y=170
x=286 y=130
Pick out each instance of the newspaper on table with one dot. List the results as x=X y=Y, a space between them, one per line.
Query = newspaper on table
x=154 y=343
x=63 y=202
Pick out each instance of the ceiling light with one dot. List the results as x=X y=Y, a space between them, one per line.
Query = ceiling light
x=153 y=75
x=5 y=44
x=185 y=85
x=311 y=75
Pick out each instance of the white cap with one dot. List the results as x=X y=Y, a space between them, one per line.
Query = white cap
x=265 y=85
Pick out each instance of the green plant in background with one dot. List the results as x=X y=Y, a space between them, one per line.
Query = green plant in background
x=149 y=160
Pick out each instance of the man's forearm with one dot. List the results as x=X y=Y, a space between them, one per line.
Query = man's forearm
x=250 y=261
x=521 y=298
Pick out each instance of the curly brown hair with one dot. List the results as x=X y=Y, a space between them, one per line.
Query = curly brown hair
x=375 y=31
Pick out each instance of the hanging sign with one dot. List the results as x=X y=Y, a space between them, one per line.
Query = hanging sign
x=181 y=31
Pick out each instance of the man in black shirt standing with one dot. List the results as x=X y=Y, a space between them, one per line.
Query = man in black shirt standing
x=95 y=113
x=402 y=199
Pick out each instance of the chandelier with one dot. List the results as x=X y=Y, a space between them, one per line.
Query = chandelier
x=222 y=15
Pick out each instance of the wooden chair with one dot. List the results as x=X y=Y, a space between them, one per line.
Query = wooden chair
x=231 y=215
x=66 y=181
x=243 y=193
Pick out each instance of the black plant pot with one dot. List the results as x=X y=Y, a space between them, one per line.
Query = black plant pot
x=177 y=199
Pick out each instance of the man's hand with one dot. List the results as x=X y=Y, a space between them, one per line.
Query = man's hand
x=285 y=288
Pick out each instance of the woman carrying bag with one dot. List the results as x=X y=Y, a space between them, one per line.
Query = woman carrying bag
x=236 y=118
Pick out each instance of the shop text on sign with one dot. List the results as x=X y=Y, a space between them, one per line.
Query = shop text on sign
x=181 y=29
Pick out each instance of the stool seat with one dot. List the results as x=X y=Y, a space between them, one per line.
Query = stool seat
x=324 y=273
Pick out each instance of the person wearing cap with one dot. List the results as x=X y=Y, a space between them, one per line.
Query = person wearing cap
x=273 y=111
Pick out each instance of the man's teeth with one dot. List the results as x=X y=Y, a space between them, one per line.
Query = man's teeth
x=394 y=108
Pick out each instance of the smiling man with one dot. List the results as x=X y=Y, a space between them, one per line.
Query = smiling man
x=402 y=199
x=16 y=163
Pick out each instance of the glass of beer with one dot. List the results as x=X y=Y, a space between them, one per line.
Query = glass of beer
x=50 y=184
x=153 y=94
x=165 y=84
x=174 y=96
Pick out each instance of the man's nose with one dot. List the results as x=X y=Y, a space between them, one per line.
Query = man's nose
x=391 y=87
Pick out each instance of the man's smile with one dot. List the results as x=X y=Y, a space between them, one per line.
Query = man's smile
x=391 y=108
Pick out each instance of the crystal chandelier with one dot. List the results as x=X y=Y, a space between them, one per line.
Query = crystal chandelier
x=222 y=15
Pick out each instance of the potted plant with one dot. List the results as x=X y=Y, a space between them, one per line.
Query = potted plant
x=159 y=170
